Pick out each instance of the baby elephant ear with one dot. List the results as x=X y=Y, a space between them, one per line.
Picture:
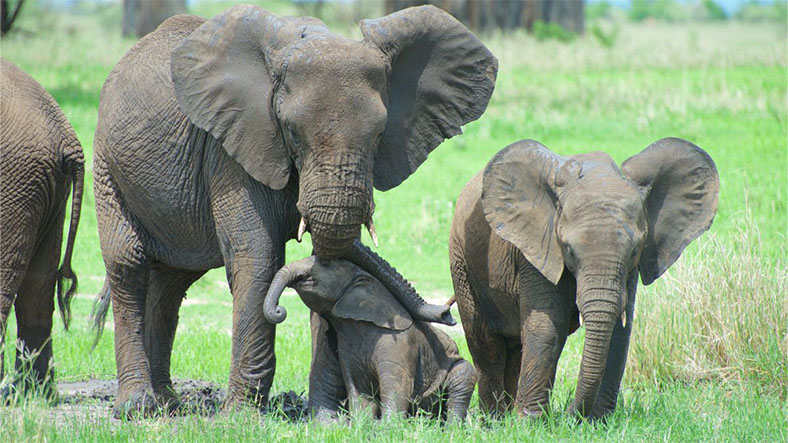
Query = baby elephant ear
x=440 y=78
x=519 y=201
x=682 y=187
x=368 y=300
x=223 y=77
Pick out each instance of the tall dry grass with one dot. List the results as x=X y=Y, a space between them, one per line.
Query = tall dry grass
x=719 y=314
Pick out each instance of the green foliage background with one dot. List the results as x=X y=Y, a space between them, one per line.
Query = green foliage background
x=709 y=356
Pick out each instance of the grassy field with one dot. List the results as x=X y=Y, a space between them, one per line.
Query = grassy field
x=709 y=354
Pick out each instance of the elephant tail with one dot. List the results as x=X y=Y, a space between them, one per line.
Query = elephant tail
x=98 y=314
x=75 y=165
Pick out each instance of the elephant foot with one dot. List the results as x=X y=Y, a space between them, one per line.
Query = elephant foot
x=239 y=397
x=168 y=400
x=594 y=416
x=532 y=414
x=136 y=404
x=19 y=389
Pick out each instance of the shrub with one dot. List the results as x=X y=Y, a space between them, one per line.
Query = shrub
x=552 y=31
x=606 y=39
x=720 y=314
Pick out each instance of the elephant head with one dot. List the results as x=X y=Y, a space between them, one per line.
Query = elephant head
x=285 y=96
x=339 y=289
x=602 y=224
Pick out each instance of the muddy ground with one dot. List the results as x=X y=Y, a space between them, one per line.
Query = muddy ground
x=94 y=398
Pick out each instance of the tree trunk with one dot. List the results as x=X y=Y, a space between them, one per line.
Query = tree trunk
x=6 y=19
x=141 y=17
x=505 y=14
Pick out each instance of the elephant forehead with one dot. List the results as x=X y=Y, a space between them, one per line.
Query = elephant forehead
x=335 y=57
x=599 y=202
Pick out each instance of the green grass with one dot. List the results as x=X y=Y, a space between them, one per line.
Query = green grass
x=709 y=356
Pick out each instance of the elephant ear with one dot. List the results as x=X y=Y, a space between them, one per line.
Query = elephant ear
x=368 y=300
x=519 y=201
x=682 y=187
x=440 y=78
x=223 y=75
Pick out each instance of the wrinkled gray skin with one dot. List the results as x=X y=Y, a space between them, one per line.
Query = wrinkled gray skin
x=540 y=243
x=40 y=160
x=215 y=137
x=367 y=349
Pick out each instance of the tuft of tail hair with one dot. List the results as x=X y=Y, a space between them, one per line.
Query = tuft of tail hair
x=76 y=167
x=98 y=314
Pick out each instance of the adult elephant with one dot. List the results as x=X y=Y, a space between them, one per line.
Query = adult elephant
x=213 y=136
x=541 y=244
x=40 y=161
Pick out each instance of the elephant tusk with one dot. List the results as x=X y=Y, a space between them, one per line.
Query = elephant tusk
x=624 y=319
x=372 y=234
x=301 y=229
x=581 y=320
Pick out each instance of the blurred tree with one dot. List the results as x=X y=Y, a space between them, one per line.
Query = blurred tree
x=6 y=20
x=143 y=16
x=506 y=14
x=713 y=10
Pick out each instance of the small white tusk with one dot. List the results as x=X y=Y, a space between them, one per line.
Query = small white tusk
x=372 y=234
x=301 y=229
x=581 y=320
x=624 y=319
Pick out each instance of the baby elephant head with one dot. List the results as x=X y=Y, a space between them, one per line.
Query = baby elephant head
x=336 y=288
x=602 y=223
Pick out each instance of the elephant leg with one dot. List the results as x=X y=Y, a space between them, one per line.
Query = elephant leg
x=511 y=372
x=488 y=351
x=326 y=387
x=461 y=380
x=489 y=355
x=616 y=357
x=252 y=231
x=358 y=402
x=34 y=307
x=166 y=291
x=127 y=270
x=396 y=389
x=16 y=254
x=253 y=360
x=10 y=279
x=546 y=312
x=128 y=277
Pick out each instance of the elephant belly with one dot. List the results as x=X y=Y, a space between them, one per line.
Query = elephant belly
x=163 y=189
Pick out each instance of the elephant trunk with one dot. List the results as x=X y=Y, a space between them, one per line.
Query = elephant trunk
x=402 y=290
x=286 y=276
x=336 y=199
x=601 y=304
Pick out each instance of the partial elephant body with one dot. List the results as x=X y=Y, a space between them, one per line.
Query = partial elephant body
x=542 y=244
x=40 y=160
x=215 y=137
x=488 y=274
x=368 y=350
x=398 y=372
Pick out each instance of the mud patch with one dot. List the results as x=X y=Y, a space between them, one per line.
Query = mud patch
x=94 y=398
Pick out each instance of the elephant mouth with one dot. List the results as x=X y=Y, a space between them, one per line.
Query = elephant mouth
x=333 y=241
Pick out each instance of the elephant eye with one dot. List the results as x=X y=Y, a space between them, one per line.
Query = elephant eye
x=570 y=253
x=292 y=134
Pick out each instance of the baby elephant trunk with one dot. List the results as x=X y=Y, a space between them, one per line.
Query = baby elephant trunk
x=290 y=273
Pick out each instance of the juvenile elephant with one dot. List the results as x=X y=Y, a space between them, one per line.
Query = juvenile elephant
x=215 y=137
x=541 y=244
x=367 y=348
x=40 y=161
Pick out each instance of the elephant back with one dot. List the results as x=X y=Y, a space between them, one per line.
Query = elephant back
x=139 y=92
x=32 y=125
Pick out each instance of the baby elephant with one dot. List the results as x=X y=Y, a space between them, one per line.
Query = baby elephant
x=366 y=348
